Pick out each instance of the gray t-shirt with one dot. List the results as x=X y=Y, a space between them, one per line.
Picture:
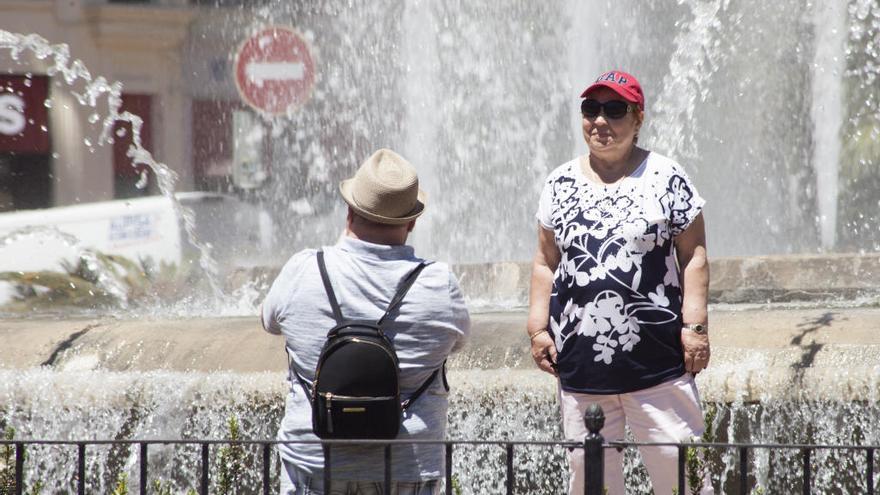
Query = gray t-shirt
x=432 y=322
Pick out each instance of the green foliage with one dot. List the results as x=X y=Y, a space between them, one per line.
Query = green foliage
x=7 y=463
x=101 y=281
x=456 y=485
x=7 y=466
x=232 y=461
x=161 y=488
x=121 y=485
x=697 y=466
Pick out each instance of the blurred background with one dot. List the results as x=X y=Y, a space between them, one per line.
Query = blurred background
x=252 y=111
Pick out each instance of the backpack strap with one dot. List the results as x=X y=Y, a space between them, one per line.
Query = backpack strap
x=322 y=267
x=293 y=374
x=401 y=292
x=427 y=383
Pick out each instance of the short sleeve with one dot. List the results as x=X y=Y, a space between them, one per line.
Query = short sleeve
x=461 y=318
x=545 y=206
x=276 y=305
x=682 y=201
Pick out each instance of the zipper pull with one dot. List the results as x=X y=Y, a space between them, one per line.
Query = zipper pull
x=329 y=396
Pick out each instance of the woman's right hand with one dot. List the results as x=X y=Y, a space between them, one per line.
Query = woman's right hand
x=544 y=352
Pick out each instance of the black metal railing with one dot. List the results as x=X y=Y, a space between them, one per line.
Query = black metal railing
x=593 y=446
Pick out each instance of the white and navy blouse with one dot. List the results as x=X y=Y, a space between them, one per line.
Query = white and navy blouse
x=615 y=307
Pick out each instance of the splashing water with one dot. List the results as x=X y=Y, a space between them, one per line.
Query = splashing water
x=483 y=100
x=107 y=280
x=94 y=90
x=485 y=404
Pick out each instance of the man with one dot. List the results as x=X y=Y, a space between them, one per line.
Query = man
x=365 y=269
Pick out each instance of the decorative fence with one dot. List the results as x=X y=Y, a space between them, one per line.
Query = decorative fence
x=593 y=445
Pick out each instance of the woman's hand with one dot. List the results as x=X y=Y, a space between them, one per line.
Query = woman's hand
x=544 y=352
x=696 y=350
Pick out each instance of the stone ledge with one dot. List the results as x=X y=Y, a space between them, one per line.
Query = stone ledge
x=760 y=279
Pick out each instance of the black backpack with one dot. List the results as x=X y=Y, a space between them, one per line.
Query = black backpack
x=356 y=393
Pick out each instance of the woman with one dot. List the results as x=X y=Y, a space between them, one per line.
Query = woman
x=619 y=284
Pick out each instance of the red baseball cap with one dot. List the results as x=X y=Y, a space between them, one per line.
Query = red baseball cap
x=626 y=85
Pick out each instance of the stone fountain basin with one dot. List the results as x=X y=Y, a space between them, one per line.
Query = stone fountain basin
x=758 y=352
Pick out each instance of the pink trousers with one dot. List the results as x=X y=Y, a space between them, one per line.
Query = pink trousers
x=668 y=412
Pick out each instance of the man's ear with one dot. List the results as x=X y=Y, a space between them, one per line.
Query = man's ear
x=410 y=226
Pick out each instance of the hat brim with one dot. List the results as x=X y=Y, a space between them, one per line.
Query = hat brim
x=627 y=95
x=345 y=189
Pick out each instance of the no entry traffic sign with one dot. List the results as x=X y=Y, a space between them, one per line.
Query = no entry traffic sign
x=275 y=71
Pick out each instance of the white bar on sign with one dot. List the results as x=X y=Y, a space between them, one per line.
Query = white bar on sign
x=263 y=71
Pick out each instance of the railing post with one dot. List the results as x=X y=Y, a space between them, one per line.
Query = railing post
x=594 y=456
x=203 y=486
x=448 y=469
x=143 y=460
x=267 y=463
x=743 y=470
x=19 y=468
x=870 y=473
x=81 y=468
x=510 y=477
x=328 y=481
x=807 y=469
x=682 y=457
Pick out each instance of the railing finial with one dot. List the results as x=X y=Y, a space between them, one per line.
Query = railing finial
x=594 y=418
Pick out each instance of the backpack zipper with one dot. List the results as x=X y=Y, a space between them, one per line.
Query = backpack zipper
x=329 y=396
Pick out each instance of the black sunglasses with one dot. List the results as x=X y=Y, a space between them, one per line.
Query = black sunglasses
x=614 y=109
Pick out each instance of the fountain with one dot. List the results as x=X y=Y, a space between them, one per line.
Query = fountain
x=769 y=104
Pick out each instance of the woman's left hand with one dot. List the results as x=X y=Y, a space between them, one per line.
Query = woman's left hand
x=696 y=350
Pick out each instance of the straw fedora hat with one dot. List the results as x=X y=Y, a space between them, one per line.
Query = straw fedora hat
x=385 y=189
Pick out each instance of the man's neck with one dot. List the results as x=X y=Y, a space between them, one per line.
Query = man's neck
x=376 y=237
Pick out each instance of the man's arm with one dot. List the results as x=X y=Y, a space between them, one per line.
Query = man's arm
x=268 y=321
x=690 y=248
x=461 y=318
x=277 y=304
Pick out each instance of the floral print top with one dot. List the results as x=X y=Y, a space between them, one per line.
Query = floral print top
x=615 y=307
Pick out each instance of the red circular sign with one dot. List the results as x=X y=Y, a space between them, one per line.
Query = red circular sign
x=274 y=70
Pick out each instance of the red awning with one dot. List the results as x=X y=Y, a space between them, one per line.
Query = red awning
x=24 y=118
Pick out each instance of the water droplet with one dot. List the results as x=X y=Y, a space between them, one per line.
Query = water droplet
x=47 y=103
x=93 y=118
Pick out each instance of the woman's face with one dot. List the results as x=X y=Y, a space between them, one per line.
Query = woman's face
x=611 y=139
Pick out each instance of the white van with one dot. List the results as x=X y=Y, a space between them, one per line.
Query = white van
x=140 y=228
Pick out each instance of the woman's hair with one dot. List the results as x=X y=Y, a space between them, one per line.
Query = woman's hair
x=640 y=113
